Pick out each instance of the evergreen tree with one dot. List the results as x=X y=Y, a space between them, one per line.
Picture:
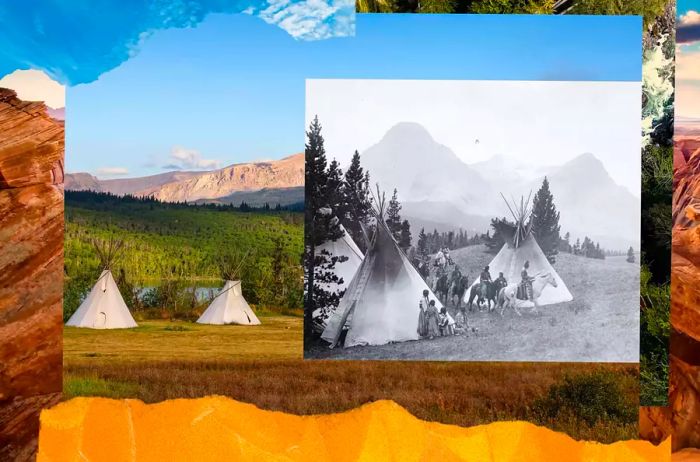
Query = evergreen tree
x=577 y=247
x=358 y=205
x=630 y=255
x=319 y=227
x=405 y=236
x=545 y=222
x=586 y=247
x=393 y=216
x=502 y=229
x=434 y=241
x=335 y=189
x=564 y=244
x=422 y=243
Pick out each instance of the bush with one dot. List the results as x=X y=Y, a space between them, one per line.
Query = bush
x=74 y=292
x=174 y=297
x=590 y=397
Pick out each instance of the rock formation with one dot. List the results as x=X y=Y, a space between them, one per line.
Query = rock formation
x=31 y=269
x=682 y=416
x=271 y=178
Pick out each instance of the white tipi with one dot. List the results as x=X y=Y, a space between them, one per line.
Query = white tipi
x=344 y=246
x=522 y=247
x=382 y=298
x=229 y=307
x=104 y=307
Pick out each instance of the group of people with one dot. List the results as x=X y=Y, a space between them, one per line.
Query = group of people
x=525 y=286
x=433 y=322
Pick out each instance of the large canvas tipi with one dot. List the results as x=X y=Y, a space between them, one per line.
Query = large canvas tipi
x=521 y=247
x=381 y=303
x=229 y=307
x=344 y=246
x=104 y=307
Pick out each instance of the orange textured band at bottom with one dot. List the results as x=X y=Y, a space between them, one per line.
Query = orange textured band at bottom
x=218 y=429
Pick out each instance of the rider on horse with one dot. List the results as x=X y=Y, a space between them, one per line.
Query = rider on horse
x=456 y=274
x=485 y=275
x=446 y=251
x=501 y=281
x=525 y=288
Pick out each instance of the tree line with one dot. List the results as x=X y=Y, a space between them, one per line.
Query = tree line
x=333 y=198
x=105 y=200
x=544 y=221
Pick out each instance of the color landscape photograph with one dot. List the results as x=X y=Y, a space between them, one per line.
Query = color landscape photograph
x=184 y=236
x=169 y=212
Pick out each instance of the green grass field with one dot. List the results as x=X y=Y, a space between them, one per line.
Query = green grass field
x=277 y=338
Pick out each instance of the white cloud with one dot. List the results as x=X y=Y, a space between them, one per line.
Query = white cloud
x=311 y=19
x=687 y=84
x=34 y=85
x=691 y=17
x=687 y=64
x=191 y=159
x=112 y=171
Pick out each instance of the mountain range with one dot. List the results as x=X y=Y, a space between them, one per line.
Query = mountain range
x=256 y=183
x=438 y=190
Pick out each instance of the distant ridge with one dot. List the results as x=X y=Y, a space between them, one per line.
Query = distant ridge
x=274 y=182
x=437 y=189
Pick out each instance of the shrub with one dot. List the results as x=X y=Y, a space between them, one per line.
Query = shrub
x=590 y=397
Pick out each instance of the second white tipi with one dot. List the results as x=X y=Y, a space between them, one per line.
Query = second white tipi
x=522 y=247
x=229 y=307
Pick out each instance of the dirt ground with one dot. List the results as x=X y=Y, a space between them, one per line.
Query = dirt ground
x=601 y=324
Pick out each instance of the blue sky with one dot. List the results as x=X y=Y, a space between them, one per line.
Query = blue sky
x=232 y=88
x=683 y=6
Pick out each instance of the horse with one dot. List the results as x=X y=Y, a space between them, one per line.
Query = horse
x=459 y=286
x=507 y=296
x=442 y=288
x=423 y=268
x=486 y=291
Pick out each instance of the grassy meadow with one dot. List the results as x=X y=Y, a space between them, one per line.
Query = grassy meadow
x=278 y=337
x=455 y=393
x=600 y=324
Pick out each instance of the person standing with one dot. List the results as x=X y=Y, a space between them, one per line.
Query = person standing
x=423 y=304
x=432 y=320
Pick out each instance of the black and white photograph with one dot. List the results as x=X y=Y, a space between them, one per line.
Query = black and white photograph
x=473 y=220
